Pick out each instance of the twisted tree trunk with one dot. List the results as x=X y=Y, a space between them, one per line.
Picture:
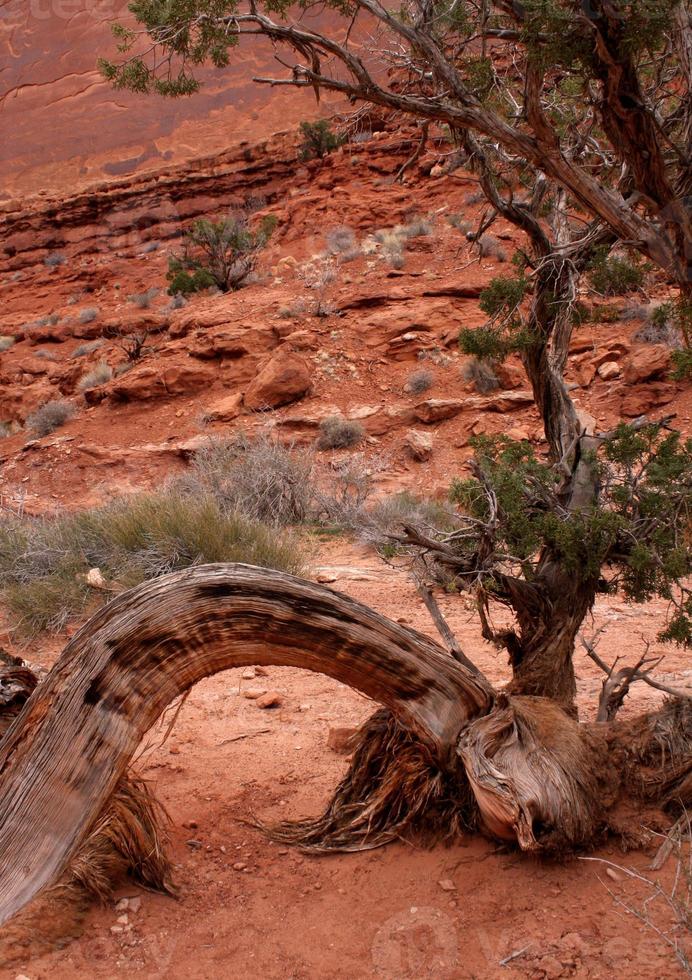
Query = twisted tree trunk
x=65 y=753
x=448 y=750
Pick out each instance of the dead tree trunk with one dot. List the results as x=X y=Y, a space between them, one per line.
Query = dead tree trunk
x=67 y=750
x=532 y=773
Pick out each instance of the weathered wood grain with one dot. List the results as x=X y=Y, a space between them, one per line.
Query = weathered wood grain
x=64 y=754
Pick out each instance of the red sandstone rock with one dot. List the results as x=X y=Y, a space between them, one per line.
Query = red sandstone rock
x=285 y=379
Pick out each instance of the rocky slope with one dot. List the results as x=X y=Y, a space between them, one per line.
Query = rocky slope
x=76 y=268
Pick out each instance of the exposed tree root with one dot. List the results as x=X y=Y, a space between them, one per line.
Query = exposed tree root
x=658 y=754
x=393 y=790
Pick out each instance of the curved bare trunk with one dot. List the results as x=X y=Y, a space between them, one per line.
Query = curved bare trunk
x=65 y=753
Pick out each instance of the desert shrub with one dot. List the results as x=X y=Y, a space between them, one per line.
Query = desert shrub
x=218 y=253
x=98 y=376
x=475 y=198
x=337 y=432
x=145 y=299
x=259 y=477
x=5 y=430
x=43 y=562
x=459 y=222
x=6 y=343
x=481 y=373
x=177 y=302
x=318 y=140
x=319 y=275
x=88 y=314
x=50 y=416
x=417 y=227
x=54 y=259
x=43 y=321
x=393 y=244
x=489 y=247
x=682 y=364
x=83 y=349
x=420 y=381
x=343 y=490
x=389 y=514
x=340 y=239
x=614 y=275
x=660 y=326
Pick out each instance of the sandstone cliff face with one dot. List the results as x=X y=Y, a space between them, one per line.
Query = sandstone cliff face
x=64 y=126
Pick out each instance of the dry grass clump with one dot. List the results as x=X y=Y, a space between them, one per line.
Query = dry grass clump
x=490 y=247
x=388 y=516
x=5 y=430
x=420 y=381
x=83 y=349
x=342 y=241
x=6 y=343
x=337 y=432
x=659 y=327
x=98 y=376
x=260 y=478
x=43 y=562
x=88 y=314
x=145 y=299
x=50 y=416
x=481 y=374
x=54 y=259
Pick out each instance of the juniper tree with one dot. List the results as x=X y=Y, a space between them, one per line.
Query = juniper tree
x=577 y=119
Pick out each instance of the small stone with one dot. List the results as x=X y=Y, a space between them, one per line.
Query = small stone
x=609 y=370
x=174 y=750
x=123 y=920
x=135 y=904
x=239 y=866
x=269 y=700
x=95 y=579
x=190 y=824
x=123 y=905
x=447 y=885
x=612 y=874
x=340 y=740
x=194 y=844
x=116 y=930
x=249 y=674
x=253 y=693
x=261 y=672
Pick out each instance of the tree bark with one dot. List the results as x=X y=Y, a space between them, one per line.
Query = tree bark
x=66 y=751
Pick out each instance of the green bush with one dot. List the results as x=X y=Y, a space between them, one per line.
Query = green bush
x=43 y=562
x=614 y=275
x=218 y=253
x=318 y=140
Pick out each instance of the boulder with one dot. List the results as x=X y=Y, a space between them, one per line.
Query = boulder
x=438 y=409
x=508 y=401
x=144 y=383
x=609 y=370
x=418 y=445
x=285 y=379
x=642 y=400
x=225 y=409
x=647 y=363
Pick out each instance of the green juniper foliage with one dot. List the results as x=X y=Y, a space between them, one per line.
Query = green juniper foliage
x=318 y=140
x=636 y=534
x=218 y=253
